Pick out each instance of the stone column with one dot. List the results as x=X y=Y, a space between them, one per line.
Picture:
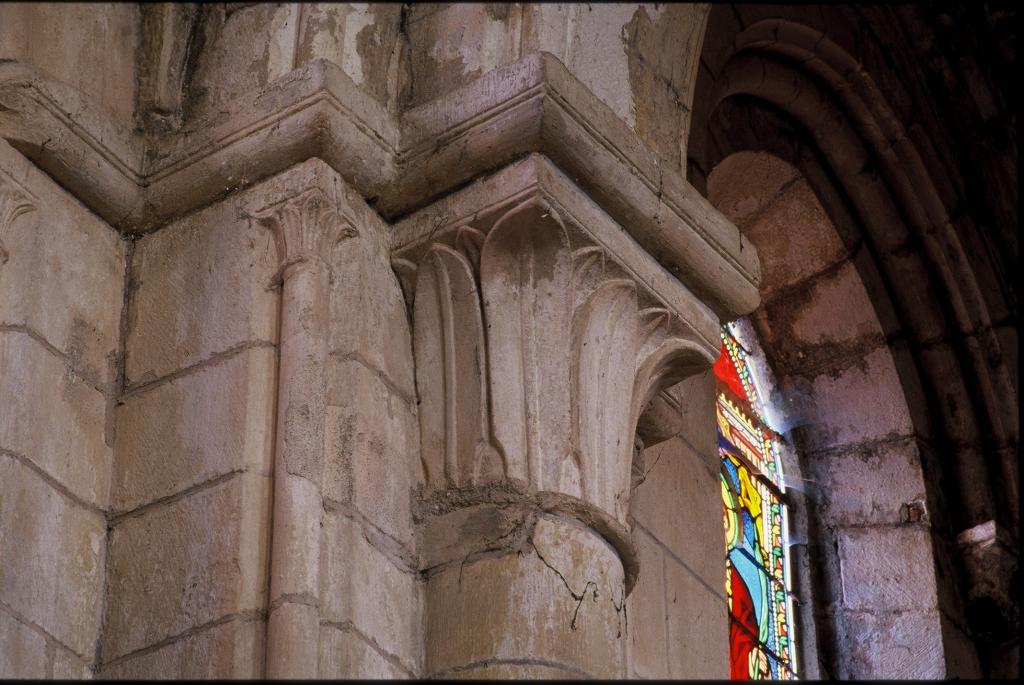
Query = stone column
x=540 y=333
x=307 y=228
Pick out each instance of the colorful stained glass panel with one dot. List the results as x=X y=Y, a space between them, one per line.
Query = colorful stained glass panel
x=754 y=518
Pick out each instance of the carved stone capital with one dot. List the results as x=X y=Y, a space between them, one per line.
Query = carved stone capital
x=541 y=331
x=15 y=201
x=307 y=226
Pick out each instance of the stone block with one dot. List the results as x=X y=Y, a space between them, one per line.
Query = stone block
x=647 y=653
x=745 y=185
x=892 y=645
x=361 y=585
x=52 y=551
x=63 y=278
x=37 y=389
x=446 y=47
x=68 y=665
x=369 y=319
x=518 y=671
x=680 y=503
x=22 y=650
x=343 y=654
x=372 y=447
x=862 y=402
x=698 y=625
x=249 y=47
x=836 y=311
x=871 y=483
x=229 y=650
x=698 y=426
x=960 y=652
x=186 y=563
x=522 y=606
x=887 y=568
x=195 y=428
x=201 y=287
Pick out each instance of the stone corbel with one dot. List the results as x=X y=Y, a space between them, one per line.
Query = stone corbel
x=541 y=331
x=307 y=227
x=15 y=201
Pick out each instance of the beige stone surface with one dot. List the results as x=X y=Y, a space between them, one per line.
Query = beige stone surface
x=22 y=650
x=887 y=568
x=194 y=428
x=679 y=502
x=897 y=645
x=230 y=650
x=63 y=275
x=518 y=671
x=369 y=319
x=36 y=386
x=647 y=650
x=870 y=484
x=67 y=665
x=698 y=625
x=88 y=46
x=361 y=586
x=345 y=654
x=518 y=606
x=53 y=557
x=186 y=563
x=202 y=287
x=371 y=450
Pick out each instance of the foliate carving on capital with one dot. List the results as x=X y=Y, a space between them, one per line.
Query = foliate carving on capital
x=534 y=357
x=307 y=226
x=15 y=201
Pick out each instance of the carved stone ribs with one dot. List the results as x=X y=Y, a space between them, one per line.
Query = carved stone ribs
x=14 y=202
x=541 y=330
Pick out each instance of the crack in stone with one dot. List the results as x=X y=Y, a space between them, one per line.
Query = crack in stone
x=578 y=597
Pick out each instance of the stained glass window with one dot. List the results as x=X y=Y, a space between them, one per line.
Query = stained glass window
x=756 y=570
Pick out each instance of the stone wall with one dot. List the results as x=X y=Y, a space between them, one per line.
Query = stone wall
x=678 y=616
x=61 y=272
x=878 y=552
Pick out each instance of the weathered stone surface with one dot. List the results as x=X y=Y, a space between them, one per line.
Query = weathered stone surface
x=518 y=671
x=90 y=47
x=184 y=564
x=202 y=287
x=67 y=665
x=450 y=45
x=696 y=397
x=647 y=651
x=679 y=502
x=63 y=272
x=561 y=608
x=856 y=404
x=698 y=625
x=364 y=40
x=363 y=587
x=52 y=551
x=229 y=650
x=22 y=650
x=767 y=198
x=36 y=386
x=897 y=645
x=369 y=319
x=344 y=654
x=194 y=428
x=871 y=483
x=887 y=568
x=371 y=452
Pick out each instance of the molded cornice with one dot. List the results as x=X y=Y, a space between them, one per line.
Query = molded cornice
x=399 y=164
